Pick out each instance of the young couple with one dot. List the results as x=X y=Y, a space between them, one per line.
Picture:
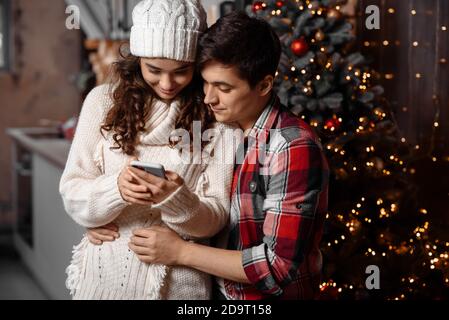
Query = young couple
x=148 y=237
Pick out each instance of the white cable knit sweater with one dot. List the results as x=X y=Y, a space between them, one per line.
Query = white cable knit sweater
x=197 y=210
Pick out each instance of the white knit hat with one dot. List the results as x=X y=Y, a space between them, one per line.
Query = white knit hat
x=167 y=29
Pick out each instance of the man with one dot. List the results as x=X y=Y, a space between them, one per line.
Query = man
x=278 y=204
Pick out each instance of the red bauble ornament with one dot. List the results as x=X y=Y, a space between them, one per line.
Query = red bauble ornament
x=258 y=5
x=333 y=123
x=299 y=47
x=279 y=4
x=329 y=123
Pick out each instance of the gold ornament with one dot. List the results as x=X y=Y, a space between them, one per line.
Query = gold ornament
x=334 y=14
x=319 y=35
x=341 y=173
x=314 y=5
x=378 y=163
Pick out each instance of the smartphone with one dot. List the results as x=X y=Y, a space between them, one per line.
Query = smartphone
x=152 y=168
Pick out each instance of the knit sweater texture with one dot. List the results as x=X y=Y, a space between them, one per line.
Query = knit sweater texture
x=197 y=210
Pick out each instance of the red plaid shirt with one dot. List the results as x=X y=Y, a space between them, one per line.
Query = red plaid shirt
x=279 y=203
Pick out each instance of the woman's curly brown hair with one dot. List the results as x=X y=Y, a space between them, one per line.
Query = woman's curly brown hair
x=132 y=98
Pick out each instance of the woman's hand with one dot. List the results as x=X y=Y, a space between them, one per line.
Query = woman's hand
x=158 y=245
x=160 y=189
x=106 y=233
x=131 y=191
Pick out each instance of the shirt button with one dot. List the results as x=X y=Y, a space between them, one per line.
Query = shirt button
x=253 y=186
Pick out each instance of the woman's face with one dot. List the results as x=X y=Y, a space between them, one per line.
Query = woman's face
x=166 y=77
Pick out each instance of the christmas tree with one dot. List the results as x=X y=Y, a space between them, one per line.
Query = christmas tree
x=373 y=219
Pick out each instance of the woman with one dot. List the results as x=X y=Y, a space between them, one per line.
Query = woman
x=153 y=93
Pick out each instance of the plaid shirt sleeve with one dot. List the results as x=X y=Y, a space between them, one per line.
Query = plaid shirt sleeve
x=297 y=176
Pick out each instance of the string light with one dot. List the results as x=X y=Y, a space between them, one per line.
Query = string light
x=385 y=207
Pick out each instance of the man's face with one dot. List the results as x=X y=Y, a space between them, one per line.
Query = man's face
x=230 y=97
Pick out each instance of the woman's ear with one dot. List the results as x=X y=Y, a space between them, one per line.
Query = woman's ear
x=266 y=85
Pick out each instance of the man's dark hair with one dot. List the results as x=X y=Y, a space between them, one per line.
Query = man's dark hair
x=247 y=43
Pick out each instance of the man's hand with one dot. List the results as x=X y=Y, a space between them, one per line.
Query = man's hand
x=108 y=232
x=159 y=188
x=158 y=245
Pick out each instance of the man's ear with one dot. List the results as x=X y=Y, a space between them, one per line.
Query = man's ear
x=266 y=85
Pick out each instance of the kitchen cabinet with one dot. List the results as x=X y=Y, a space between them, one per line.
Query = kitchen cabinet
x=44 y=234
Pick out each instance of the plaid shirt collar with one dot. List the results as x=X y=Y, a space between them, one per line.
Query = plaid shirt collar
x=266 y=119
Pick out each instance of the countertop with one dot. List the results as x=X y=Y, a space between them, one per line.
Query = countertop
x=43 y=141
